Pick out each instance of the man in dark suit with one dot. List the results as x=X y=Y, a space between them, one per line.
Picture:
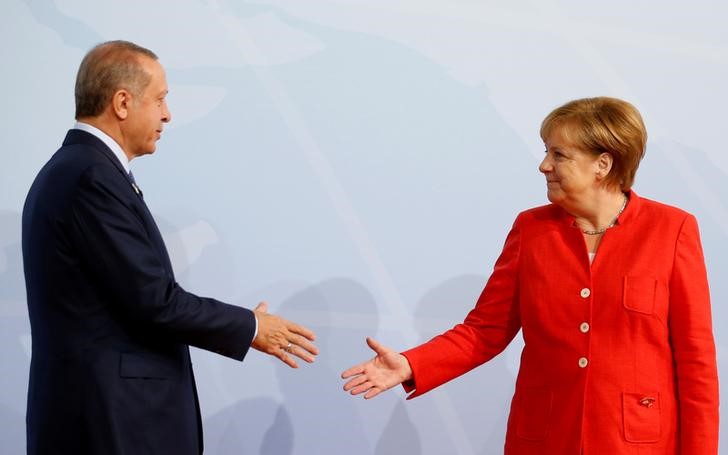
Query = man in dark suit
x=110 y=371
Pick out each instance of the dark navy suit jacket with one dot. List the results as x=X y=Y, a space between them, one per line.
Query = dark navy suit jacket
x=110 y=371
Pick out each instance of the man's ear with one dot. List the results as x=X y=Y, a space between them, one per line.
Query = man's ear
x=120 y=102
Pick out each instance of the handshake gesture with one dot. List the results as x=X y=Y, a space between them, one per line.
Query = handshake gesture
x=286 y=340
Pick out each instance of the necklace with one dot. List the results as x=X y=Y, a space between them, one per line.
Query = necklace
x=614 y=221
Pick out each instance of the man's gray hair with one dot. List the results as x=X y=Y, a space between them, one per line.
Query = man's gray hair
x=106 y=68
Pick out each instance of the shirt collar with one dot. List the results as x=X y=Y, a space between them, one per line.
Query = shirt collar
x=108 y=140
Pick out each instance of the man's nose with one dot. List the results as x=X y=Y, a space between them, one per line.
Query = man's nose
x=166 y=115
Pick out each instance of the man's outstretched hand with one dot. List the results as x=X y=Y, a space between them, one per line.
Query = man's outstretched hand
x=283 y=339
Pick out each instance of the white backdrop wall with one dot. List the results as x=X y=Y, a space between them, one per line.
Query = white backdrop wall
x=358 y=164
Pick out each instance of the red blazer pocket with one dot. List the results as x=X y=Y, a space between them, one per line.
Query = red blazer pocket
x=641 y=414
x=639 y=294
x=534 y=412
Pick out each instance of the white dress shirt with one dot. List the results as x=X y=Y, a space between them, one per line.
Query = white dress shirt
x=110 y=143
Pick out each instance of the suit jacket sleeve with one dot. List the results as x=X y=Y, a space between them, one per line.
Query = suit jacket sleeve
x=113 y=236
x=486 y=331
x=693 y=345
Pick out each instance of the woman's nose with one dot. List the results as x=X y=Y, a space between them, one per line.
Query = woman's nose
x=545 y=165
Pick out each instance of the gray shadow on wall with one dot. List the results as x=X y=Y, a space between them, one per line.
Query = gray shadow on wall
x=323 y=418
x=241 y=429
x=400 y=434
x=72 y=31
x=315 y=416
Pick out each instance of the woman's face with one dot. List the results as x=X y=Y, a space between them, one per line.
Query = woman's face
x=571 y=174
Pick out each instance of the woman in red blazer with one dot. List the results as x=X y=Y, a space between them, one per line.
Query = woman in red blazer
x=611 y=293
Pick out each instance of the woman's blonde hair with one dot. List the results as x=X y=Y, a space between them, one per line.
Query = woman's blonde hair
x=603 y=125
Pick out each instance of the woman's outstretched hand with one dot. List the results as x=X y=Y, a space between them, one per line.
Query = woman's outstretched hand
x=386 y=370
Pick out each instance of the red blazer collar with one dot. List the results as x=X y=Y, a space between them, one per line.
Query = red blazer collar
x=630 y=211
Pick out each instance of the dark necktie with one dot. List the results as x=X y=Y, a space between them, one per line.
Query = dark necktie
x=135 y=186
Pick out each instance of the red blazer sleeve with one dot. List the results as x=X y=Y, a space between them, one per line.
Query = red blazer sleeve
x=486 y=331
x=693 y=345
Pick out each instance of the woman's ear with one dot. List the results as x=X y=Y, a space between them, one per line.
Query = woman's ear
x=604 y=165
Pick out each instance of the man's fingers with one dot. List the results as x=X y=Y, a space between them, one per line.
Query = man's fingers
x=305 y=345
x=300 y=347
x=301 y=330
x=283 y=339
x=287 y=359
x=299 y=352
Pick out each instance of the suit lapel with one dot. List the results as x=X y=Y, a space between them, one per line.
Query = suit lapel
x=82 y=137
x=74 y=137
